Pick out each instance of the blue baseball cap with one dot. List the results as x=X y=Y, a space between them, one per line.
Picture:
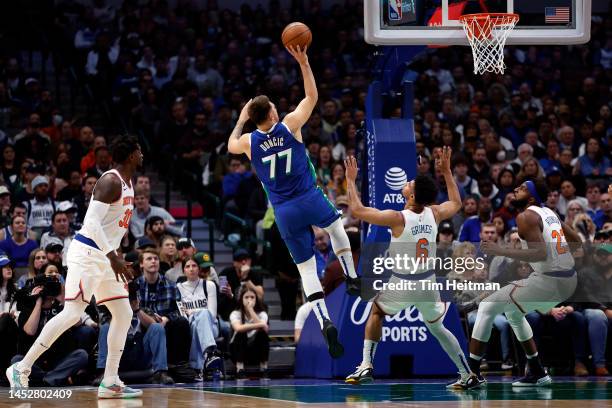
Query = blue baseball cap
x=4 y=260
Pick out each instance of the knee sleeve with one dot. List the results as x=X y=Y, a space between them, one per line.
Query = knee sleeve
x=520 y=326
x=337 y=234
x=310 y=280
x=484 y=320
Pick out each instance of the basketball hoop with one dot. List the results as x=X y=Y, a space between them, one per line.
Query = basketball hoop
x=487 y=34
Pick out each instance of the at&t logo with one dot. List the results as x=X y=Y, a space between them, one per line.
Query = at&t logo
x=395 y=179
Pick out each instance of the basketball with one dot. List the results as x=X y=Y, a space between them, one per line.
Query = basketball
x=297 y=34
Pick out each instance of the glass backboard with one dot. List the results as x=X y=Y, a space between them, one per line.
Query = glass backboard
x=436 y=22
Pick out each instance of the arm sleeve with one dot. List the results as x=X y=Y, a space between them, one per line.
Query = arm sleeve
x=92 y=225
x=211 y=288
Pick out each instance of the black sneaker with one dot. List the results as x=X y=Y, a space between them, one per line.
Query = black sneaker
x=533 y=380
x=213 y=361
x=353 y=286
x=330 y=333
x=162 y=377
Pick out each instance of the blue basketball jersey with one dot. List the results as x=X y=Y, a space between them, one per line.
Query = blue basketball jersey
x=281 y=163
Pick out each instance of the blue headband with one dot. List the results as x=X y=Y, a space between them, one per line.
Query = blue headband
x=532 y=190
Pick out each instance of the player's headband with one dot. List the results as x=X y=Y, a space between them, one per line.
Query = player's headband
x=532 y=190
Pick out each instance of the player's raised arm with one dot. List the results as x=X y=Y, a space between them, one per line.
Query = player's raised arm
x=238 y=143
x=449 y=208
x=296 y=119
x=572 y=237
x=388 y=218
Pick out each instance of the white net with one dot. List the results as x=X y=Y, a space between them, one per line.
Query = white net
x=487 y=34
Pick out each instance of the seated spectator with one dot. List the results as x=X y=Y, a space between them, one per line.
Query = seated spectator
x=463 y=250
x=103 y=162
x=145 y=345
x=8 y=315
x=54 y=256
x=250 y=343
x=468 y=209
x=444 y=247
x=585 y=227
x=18 y=210
x=240 y=274
x=574 y=208
x=143 y=210
x=82 y=199
x=596 y=285
x=36 y=260
x=18 y=246
x=337 y=185
x=594 y=162
x=199 y=301
x=5 y=206
x=72 y=188
x=155 y=229
x=185 y=248
x=52 y=271
x=568 y=193
x=91 y=159
x=470 y=230
x=144 y=182
x=64 y=359
x=563 y=320
x=322 y=250
x=159 y=296
x=593 y=196
x=167 y=254
x=237 y=172
x=40 y=209
x=60 y=234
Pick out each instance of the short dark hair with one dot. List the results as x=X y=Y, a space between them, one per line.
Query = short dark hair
x=259 y=109
x=123 y=146
x=425 y=189
x=100 y=148
x=56 y=213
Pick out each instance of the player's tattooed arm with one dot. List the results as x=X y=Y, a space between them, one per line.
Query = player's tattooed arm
x=449 y=208
x=387 y=218
x=238 y=143
x=529 y=229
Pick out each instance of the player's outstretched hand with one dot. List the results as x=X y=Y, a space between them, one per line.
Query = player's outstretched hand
x=244 y=113
x=443 y=159
x=121 y=269
x=350 y=163
x=298 y=53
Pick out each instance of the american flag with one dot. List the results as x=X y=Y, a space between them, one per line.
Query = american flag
x=557 y=15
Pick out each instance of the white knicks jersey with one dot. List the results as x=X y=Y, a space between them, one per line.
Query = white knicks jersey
x=117 y=219
x=417 y=241
x=558 y=255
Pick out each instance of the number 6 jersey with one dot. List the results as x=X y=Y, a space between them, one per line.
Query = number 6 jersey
x=117 y=219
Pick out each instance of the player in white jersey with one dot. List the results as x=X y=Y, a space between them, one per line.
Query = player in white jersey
x=95 y=268
x=413 y=232
x=553 y=280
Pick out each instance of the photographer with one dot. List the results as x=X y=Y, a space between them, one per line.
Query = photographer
x=38 y=303
x=145 y=346
x=8 y=315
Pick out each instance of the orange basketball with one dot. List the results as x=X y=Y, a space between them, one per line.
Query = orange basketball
x=297 y=34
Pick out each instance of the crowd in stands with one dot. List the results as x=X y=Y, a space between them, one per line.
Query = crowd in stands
x=178 y=78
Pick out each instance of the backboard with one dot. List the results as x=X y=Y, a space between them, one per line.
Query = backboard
x=436 y=22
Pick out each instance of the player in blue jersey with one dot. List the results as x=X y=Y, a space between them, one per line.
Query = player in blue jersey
x=278 y=154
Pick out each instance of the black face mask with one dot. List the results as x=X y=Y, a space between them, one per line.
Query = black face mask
x=519 y=204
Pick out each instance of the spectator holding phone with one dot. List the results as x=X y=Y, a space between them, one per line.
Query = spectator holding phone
x=250 y=343
x=199 y=304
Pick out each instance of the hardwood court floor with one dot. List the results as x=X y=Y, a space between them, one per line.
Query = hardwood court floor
x=565 y=392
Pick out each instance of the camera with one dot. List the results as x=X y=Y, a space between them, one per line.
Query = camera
x=51 y=286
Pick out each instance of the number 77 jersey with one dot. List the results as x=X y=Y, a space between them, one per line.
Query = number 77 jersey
x=282 y=164
x=558 y=255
